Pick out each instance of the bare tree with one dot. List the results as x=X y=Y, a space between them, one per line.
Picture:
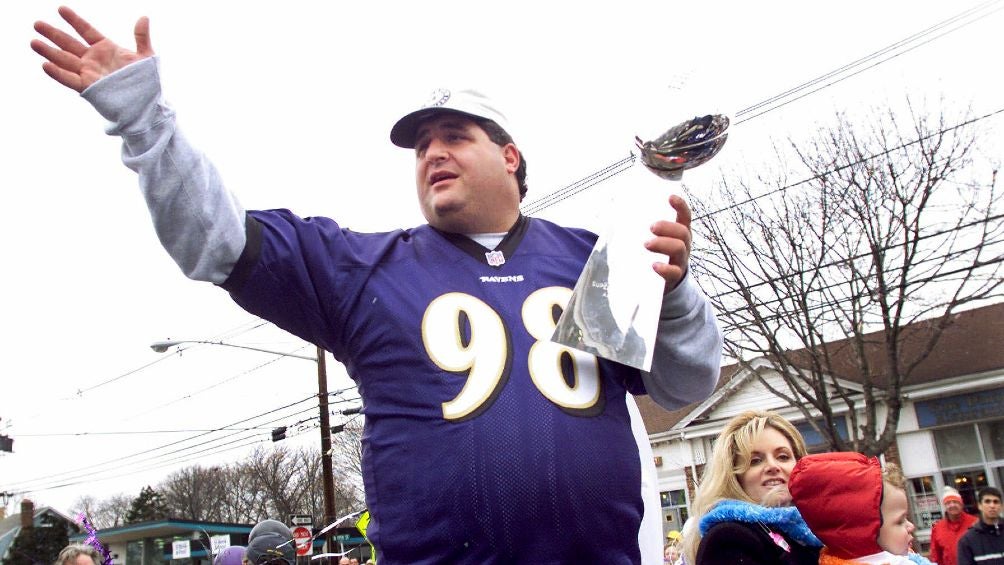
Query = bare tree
x=105 y=513
x=272 y=482
x=857 y=271
x=347 y=462
x=196 y=493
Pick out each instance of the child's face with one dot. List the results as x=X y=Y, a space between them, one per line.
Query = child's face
x=896 y=532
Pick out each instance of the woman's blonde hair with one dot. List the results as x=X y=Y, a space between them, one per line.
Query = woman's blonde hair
x=729 y=459
x=70 y=553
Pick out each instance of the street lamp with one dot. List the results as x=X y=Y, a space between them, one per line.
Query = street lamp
x=322 y=402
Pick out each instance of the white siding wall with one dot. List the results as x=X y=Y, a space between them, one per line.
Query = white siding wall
x=917 y=454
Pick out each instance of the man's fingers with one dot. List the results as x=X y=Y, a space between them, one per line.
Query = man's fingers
x=683 y=215
x=63 y=77
x=62 y=59
x=61 y=39
x=86 y=30
x=142 y=32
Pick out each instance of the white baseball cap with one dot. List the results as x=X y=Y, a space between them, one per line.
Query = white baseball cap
x=470 y=103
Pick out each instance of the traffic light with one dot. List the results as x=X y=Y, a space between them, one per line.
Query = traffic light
x=279 y=433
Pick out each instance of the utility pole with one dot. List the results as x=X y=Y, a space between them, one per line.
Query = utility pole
x=327 y=473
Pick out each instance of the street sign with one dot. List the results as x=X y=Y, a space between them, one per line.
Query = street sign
x=301 y=520
x=181 y=549
x=304 y=541
x=219 y=543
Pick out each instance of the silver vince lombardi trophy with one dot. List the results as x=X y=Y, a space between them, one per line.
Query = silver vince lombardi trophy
x=614 y=309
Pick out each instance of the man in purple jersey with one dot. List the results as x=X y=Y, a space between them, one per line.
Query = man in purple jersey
x=484 y=441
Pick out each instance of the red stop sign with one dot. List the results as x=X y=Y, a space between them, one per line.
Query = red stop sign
x=303 y=540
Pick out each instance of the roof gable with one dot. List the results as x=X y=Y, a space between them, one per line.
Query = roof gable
x=971 y=344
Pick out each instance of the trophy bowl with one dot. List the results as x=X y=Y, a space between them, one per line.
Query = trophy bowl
x=684 y=146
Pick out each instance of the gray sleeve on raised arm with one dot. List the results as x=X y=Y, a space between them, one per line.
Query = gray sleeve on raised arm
x=199 y=222
x=688 y=352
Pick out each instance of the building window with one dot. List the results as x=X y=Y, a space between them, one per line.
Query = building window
x=924 y=501
x=134 y=552
x=993 y=439
x=674 y=510
x=814 y=441
x=673 y=498
x=957 y=445
x=971 y=456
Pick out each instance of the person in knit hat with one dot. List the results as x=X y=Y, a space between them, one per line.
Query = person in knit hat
x=946 y=532
x=859 y=512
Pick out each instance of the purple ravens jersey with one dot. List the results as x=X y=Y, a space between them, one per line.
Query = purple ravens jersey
x=484 y=441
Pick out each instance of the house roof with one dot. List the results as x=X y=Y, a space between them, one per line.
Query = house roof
x=10 y=526
x=165 y=528
x=970 y=344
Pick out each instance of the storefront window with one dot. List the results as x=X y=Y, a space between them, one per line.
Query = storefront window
x=673 y=498
x=924 y=503
x=967 y=482
x=992 y=434
x=134 y=553
x=957 y=446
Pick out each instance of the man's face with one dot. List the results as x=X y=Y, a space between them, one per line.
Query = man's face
x=953 y=509
x=466 y=183
x=990 y=508
x=343 y=561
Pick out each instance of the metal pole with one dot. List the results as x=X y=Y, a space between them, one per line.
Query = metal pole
x=326 y=471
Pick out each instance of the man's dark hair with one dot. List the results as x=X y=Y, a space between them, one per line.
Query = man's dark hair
x=500 y=137
x=991 y=491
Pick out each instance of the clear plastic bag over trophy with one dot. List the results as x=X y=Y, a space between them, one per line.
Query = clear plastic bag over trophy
x=614 y=309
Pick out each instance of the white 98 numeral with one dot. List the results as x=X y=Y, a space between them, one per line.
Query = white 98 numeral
x=545 y=356
x=485 y=358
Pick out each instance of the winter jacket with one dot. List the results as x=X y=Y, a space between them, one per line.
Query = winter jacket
x=740 y=533
x=982 y=544
x=840 y=496
x=945 y=536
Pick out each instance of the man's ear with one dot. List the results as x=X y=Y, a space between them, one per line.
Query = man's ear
x=511 y=155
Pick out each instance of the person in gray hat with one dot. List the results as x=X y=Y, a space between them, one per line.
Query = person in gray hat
x=485 y=442
x=271 y=549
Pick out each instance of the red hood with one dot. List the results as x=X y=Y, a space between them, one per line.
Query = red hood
x=840 y=497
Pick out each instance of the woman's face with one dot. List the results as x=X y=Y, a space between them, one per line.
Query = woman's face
x=770 y=464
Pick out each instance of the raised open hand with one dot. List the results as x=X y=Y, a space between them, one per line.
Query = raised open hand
x=77 y=65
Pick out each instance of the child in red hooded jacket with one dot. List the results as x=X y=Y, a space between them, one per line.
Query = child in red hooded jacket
x=859 y=512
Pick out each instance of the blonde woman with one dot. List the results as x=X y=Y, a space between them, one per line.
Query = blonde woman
x=743 y=509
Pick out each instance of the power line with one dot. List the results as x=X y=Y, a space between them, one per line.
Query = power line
x=171 y=444
x=184 y=454
x=137 y=432
x=575 y=187
x=80 y=392
x=852 y=164
x=578 y=186
x=189 y=395
x=862 y=255
x=788 y=93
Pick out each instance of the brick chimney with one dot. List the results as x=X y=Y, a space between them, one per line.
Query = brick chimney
x=27 y=513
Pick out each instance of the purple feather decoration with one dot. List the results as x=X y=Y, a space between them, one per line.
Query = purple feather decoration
x=92 y=539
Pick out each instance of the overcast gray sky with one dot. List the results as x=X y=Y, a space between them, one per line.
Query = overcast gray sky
x=294 y=102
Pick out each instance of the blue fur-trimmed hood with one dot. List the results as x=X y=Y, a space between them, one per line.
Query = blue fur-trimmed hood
x=786 y=519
